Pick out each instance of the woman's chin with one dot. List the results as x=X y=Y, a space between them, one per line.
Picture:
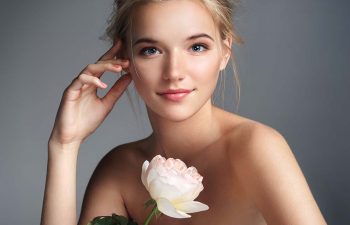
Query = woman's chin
x=173 y=114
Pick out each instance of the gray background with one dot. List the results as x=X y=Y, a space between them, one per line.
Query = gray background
x=294 y=70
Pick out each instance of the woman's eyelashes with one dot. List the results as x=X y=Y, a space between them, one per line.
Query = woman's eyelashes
x=199 y=47
x=151 y=51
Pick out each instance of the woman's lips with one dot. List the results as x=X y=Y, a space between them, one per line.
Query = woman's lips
x=175 y=95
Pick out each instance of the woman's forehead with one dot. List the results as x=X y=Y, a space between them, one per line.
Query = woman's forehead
x=172 y=19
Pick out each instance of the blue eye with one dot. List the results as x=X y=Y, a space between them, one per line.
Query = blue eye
x=149 y=51
x=198 y=48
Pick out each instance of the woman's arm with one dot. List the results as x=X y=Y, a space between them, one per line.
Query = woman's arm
x=80 y=113
x=60 y=193
x=269 y=172
x=103 y=195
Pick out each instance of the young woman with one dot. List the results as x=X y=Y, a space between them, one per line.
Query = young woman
x=173 y=51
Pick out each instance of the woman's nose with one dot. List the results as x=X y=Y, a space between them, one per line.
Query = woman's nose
x=173 y=66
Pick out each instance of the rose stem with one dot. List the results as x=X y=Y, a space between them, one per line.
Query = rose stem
x=154 y=210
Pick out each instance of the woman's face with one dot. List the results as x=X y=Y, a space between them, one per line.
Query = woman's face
x=176 y=47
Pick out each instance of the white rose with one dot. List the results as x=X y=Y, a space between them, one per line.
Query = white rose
x=173 y=186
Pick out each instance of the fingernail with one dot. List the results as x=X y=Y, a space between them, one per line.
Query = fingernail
x=104 y=85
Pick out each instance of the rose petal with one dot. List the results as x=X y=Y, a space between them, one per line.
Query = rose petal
x=151 y=175
x=159 y=189
x=190 y=193
x=191 y=207
x=168 y=209
x=143 y=174
x=158 y=159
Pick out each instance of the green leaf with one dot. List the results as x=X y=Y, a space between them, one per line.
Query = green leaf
x=112 y=220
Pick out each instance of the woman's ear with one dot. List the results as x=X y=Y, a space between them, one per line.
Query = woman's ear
x=226 y=52
x=122 y=53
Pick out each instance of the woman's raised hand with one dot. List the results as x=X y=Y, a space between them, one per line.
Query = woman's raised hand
x=81 y=110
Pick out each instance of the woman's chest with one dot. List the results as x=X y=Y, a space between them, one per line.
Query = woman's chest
x=228 y=203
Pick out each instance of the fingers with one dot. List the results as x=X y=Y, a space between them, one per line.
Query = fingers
x=107 y=62
x=122 y=62
x=91 y=74
x=85 y=79
x=100 y=67
x=116 y=90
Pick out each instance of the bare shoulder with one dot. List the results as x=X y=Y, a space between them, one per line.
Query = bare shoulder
x=253 y=144
x=126 y=155
x=251 y=137
x=103 y=195
x=257 y=148
x=265 y=166
x=119 y=161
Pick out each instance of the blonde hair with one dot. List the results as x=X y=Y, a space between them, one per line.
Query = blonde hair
x=222 y=11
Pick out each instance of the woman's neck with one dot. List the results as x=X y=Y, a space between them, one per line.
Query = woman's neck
x=186 y=138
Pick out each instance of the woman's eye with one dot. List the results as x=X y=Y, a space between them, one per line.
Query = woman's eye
x=149 y=51
x=198 y=48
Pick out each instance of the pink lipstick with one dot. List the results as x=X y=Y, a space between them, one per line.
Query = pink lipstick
x=175 y=94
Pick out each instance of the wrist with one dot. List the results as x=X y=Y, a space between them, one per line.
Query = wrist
x=64 y=147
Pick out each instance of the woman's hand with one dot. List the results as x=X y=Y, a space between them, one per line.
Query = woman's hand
x=81 y=111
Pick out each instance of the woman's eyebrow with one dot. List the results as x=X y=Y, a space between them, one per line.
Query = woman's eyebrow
x=152 y=41
x=195 y=36
x=144 y=40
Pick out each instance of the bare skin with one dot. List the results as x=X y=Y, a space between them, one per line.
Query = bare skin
x=226 y=189
x=81 y=111
x=250 y=174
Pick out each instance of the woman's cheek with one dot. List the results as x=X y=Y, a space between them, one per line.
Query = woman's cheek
x=146 y=68
x=145 y=74
x=206 y=70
